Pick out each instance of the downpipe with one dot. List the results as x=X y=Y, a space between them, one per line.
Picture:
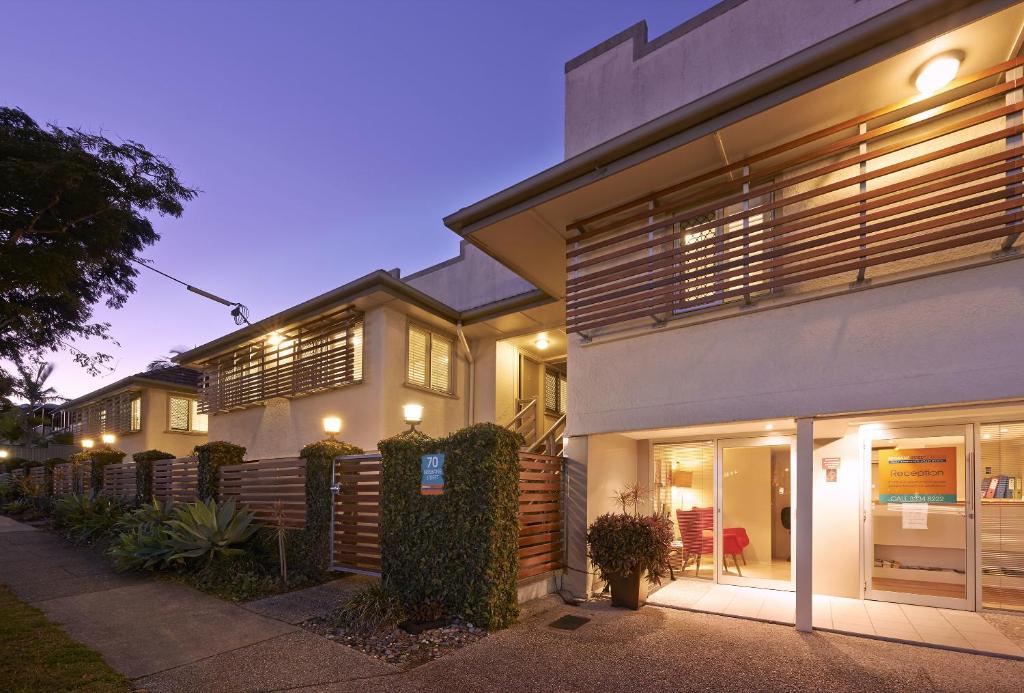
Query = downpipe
x=471 y=418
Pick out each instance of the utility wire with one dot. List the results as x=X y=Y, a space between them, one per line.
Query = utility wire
x=238 y=311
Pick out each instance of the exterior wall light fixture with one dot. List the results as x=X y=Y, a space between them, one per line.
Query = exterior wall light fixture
x=108 y=438
x=937 y=72
x=332 y=426
x=4 y=454
x=413 y=414
x=88 y=443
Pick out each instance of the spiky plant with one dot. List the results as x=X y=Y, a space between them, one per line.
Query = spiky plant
x=204 y=530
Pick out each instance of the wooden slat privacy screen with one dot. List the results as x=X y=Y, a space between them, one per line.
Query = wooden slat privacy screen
x=923 y=177
x=119 y=414
x=317 y=355
x=37 y=476
x=119 y=480
x=175 y=480
x=261 y=484
x=540 y=514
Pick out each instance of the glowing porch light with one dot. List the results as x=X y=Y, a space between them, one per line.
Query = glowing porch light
x=108 y=438
x=542 y=342
x=88 y=443
x=937 y=73
x=332 y=425
x=413 y=413
x=4 y=454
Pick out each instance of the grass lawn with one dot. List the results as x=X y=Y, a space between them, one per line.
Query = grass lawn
x=39 y=656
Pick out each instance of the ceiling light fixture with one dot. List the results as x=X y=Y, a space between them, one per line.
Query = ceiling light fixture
x=542 y=342
x=937 y=73
x=273 y=339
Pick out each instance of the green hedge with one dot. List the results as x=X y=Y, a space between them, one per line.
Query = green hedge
x=310 y=548
x=210 y=458
x=144 y=473
x=100 y=458
x=460 y=547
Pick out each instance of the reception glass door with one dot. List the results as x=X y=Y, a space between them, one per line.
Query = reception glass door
x=919 y=523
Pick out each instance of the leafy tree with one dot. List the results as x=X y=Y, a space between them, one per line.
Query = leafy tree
x=166 y=361
x=73 y=220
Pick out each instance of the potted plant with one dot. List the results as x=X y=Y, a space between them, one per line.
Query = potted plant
x=630 y=549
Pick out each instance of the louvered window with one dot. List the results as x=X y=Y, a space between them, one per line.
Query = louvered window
x=555 y=392
x=136 y=406
x=1002 y=515
x=178 y=414
x=430 y=360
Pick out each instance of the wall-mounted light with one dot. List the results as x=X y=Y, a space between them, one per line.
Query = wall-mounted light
x=88 y=443
x=108 y=438
x=769 y=427
x=542 y=342
x=937 y=72
x=274 y=338
x=332 y=426
x=4 y=454
x=413 y=415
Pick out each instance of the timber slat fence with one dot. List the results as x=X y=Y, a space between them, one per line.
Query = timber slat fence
x=356 y=542
x=175 y=480
x=261 y=484
x=119 y=480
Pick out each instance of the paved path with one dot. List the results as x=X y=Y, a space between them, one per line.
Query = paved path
x=166 y=636
x=170 y=638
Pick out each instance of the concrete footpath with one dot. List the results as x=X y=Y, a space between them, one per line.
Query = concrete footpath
x=169 y=637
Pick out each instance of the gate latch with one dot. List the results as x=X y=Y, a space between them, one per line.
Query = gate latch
x=335 y=488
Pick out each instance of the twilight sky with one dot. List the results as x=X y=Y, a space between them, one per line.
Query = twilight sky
x=328 y=138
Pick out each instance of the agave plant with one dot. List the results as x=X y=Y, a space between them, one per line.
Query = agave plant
x=143 y=540
x=202 y=529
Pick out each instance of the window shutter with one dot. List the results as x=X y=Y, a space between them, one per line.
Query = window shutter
x=136 y=423
x=417 y=369
x=550 y=391
x=200 y=422
x=440 y=364
x=178 y=416
x=563 y=394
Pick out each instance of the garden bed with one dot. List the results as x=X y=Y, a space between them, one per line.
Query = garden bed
x=396 y=646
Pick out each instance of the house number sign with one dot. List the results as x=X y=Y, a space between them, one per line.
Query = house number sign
x=432 y=474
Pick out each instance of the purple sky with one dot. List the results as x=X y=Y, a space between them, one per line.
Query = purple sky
x=328 y=138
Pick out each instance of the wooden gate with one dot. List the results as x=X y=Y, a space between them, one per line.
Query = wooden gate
x=355 y=522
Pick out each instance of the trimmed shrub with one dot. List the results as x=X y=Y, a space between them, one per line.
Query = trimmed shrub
x=86 y=518
x=210 y=458
x=310 y=548
x=459 y=548
x=374 y=609
x=144 y=473
x=100 y=458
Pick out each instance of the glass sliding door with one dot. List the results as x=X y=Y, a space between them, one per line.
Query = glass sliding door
x=755 y=503
x=685 y=492
x=919 y=520
x=1002 y=515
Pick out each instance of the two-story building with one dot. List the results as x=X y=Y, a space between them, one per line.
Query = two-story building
x=465 y=341
x=152 y=410
x=785 y=236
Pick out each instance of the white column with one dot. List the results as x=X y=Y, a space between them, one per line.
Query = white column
x=804 y=514
x=577 y=578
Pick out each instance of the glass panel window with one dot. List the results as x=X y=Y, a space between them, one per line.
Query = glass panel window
x=429 y=362
x=684 y=485
x=1002 y=515
x=178 y=414
x=355 y=336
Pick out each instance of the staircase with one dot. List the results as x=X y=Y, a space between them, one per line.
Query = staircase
x=524 y=423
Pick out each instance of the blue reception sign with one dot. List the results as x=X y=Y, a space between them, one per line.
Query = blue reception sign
x=432 y=474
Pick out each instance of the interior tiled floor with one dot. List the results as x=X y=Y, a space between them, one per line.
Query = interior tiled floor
x=949 y=628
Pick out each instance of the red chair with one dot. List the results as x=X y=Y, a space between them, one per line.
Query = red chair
x=696 y=528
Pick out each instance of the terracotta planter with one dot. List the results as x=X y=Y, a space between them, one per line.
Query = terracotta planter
x=629 y=591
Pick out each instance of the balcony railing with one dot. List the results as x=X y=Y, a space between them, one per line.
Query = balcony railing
x=926 y=180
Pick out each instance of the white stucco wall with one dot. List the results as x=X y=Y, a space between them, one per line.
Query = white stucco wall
x=154 y=434
x=370 y=411
x=953 y=337
x=612 y=93
x=470 y=280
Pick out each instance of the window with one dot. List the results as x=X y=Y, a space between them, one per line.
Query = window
x=178 y=414
x=136 y=414
x=200 y=422
x=430 y=360
x=555 y=392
